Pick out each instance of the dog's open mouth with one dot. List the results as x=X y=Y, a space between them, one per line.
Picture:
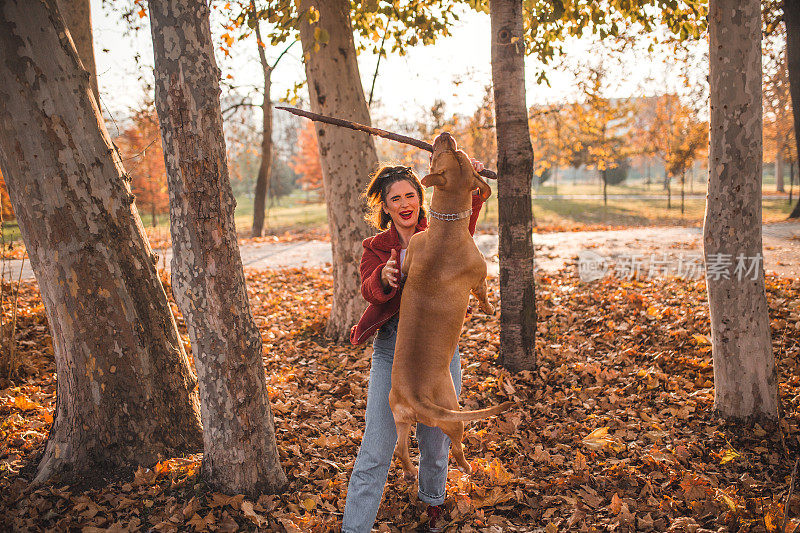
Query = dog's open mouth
x=406 y=215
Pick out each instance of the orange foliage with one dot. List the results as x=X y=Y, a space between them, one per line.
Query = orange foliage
x=143 y=158
x=307 y=162
x=5 y=200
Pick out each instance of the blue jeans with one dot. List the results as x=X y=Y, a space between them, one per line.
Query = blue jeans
x=380 y=436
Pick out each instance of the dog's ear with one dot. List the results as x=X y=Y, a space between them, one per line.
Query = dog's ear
x=433 y=180
x=481 y=184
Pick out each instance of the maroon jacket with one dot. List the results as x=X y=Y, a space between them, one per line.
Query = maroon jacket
x=377 y=251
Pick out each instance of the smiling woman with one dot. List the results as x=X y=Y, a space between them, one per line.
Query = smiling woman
x=382 y=196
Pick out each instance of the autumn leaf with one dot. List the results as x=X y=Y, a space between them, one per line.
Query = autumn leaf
x=289 y=525
x=773 y=518
x=580 y=462
x=202 y=523
x=25 y=404
x=599 y=439
x=616 y=504
x=694 y=487
x=728 y=456
x=250 y=514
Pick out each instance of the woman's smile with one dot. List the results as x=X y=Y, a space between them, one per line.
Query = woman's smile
x=402 y=204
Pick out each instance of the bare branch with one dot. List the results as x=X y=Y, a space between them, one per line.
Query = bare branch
x=372 y=131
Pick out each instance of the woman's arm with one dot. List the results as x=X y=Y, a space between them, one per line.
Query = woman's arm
x=372 y=288
x=477 y=203
x=477 y=199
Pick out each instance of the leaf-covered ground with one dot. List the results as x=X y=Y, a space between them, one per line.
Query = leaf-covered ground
x=613 y=432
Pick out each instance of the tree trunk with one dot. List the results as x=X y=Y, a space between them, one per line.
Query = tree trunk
x=348 y=157
x=796 y=211
x=125 y=389
x=791 y=17
x=265 y=168
x=240 y=452
x=605 y=188
x=779 y=170
x=515 y=171
x=78 y=17
x=555 y=180
x=668 y=186
x=683 y=188
x=745 y=378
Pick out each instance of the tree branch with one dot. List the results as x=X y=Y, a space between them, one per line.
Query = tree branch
x=486 y=173
x=234 y=107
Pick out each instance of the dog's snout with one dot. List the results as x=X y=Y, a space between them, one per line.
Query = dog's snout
x=446 y=139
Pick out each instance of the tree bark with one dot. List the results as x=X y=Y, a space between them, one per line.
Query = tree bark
x=125 y=389
x=791 y=17
x=348 y=157
x=779 y=169
x=240 y=452
x=745 y=377
x=515 y=171
x=796 y=210
x=265 y=168
x=78 y=17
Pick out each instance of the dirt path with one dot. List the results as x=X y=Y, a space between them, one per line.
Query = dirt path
x=553 y=250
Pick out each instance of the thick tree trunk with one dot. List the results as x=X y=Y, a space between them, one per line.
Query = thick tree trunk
x=791 y=17
x=124 y=384
x=348 y=157
x=241 y=455
x=514 y=171
x=745 y=378
x=265 y=168
x=78 y=17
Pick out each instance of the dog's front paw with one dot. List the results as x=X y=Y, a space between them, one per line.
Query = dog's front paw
x=410 y=477
x=488 y=309
x=465 y=469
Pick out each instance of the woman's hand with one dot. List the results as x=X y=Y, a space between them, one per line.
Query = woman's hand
x=478 y=166
x=389 y=272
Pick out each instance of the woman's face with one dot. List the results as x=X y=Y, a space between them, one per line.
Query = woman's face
x=402 y=204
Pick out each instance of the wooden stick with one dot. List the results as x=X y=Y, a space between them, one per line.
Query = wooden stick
x=428 y=147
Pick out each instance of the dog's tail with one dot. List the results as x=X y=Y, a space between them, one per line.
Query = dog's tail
x=437 y=412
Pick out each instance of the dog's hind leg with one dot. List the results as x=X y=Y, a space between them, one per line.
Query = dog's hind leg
x=479 y=291
x=401 y=450
x=455 y=430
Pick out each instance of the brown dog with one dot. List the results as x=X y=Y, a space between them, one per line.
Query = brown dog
x=443 y=266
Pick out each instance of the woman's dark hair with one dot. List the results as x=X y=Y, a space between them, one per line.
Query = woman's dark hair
x=379 y=185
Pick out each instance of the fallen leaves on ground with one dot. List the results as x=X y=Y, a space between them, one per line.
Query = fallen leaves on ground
x=614 y=431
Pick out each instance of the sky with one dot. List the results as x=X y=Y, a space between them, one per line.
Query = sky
x=455 y=70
